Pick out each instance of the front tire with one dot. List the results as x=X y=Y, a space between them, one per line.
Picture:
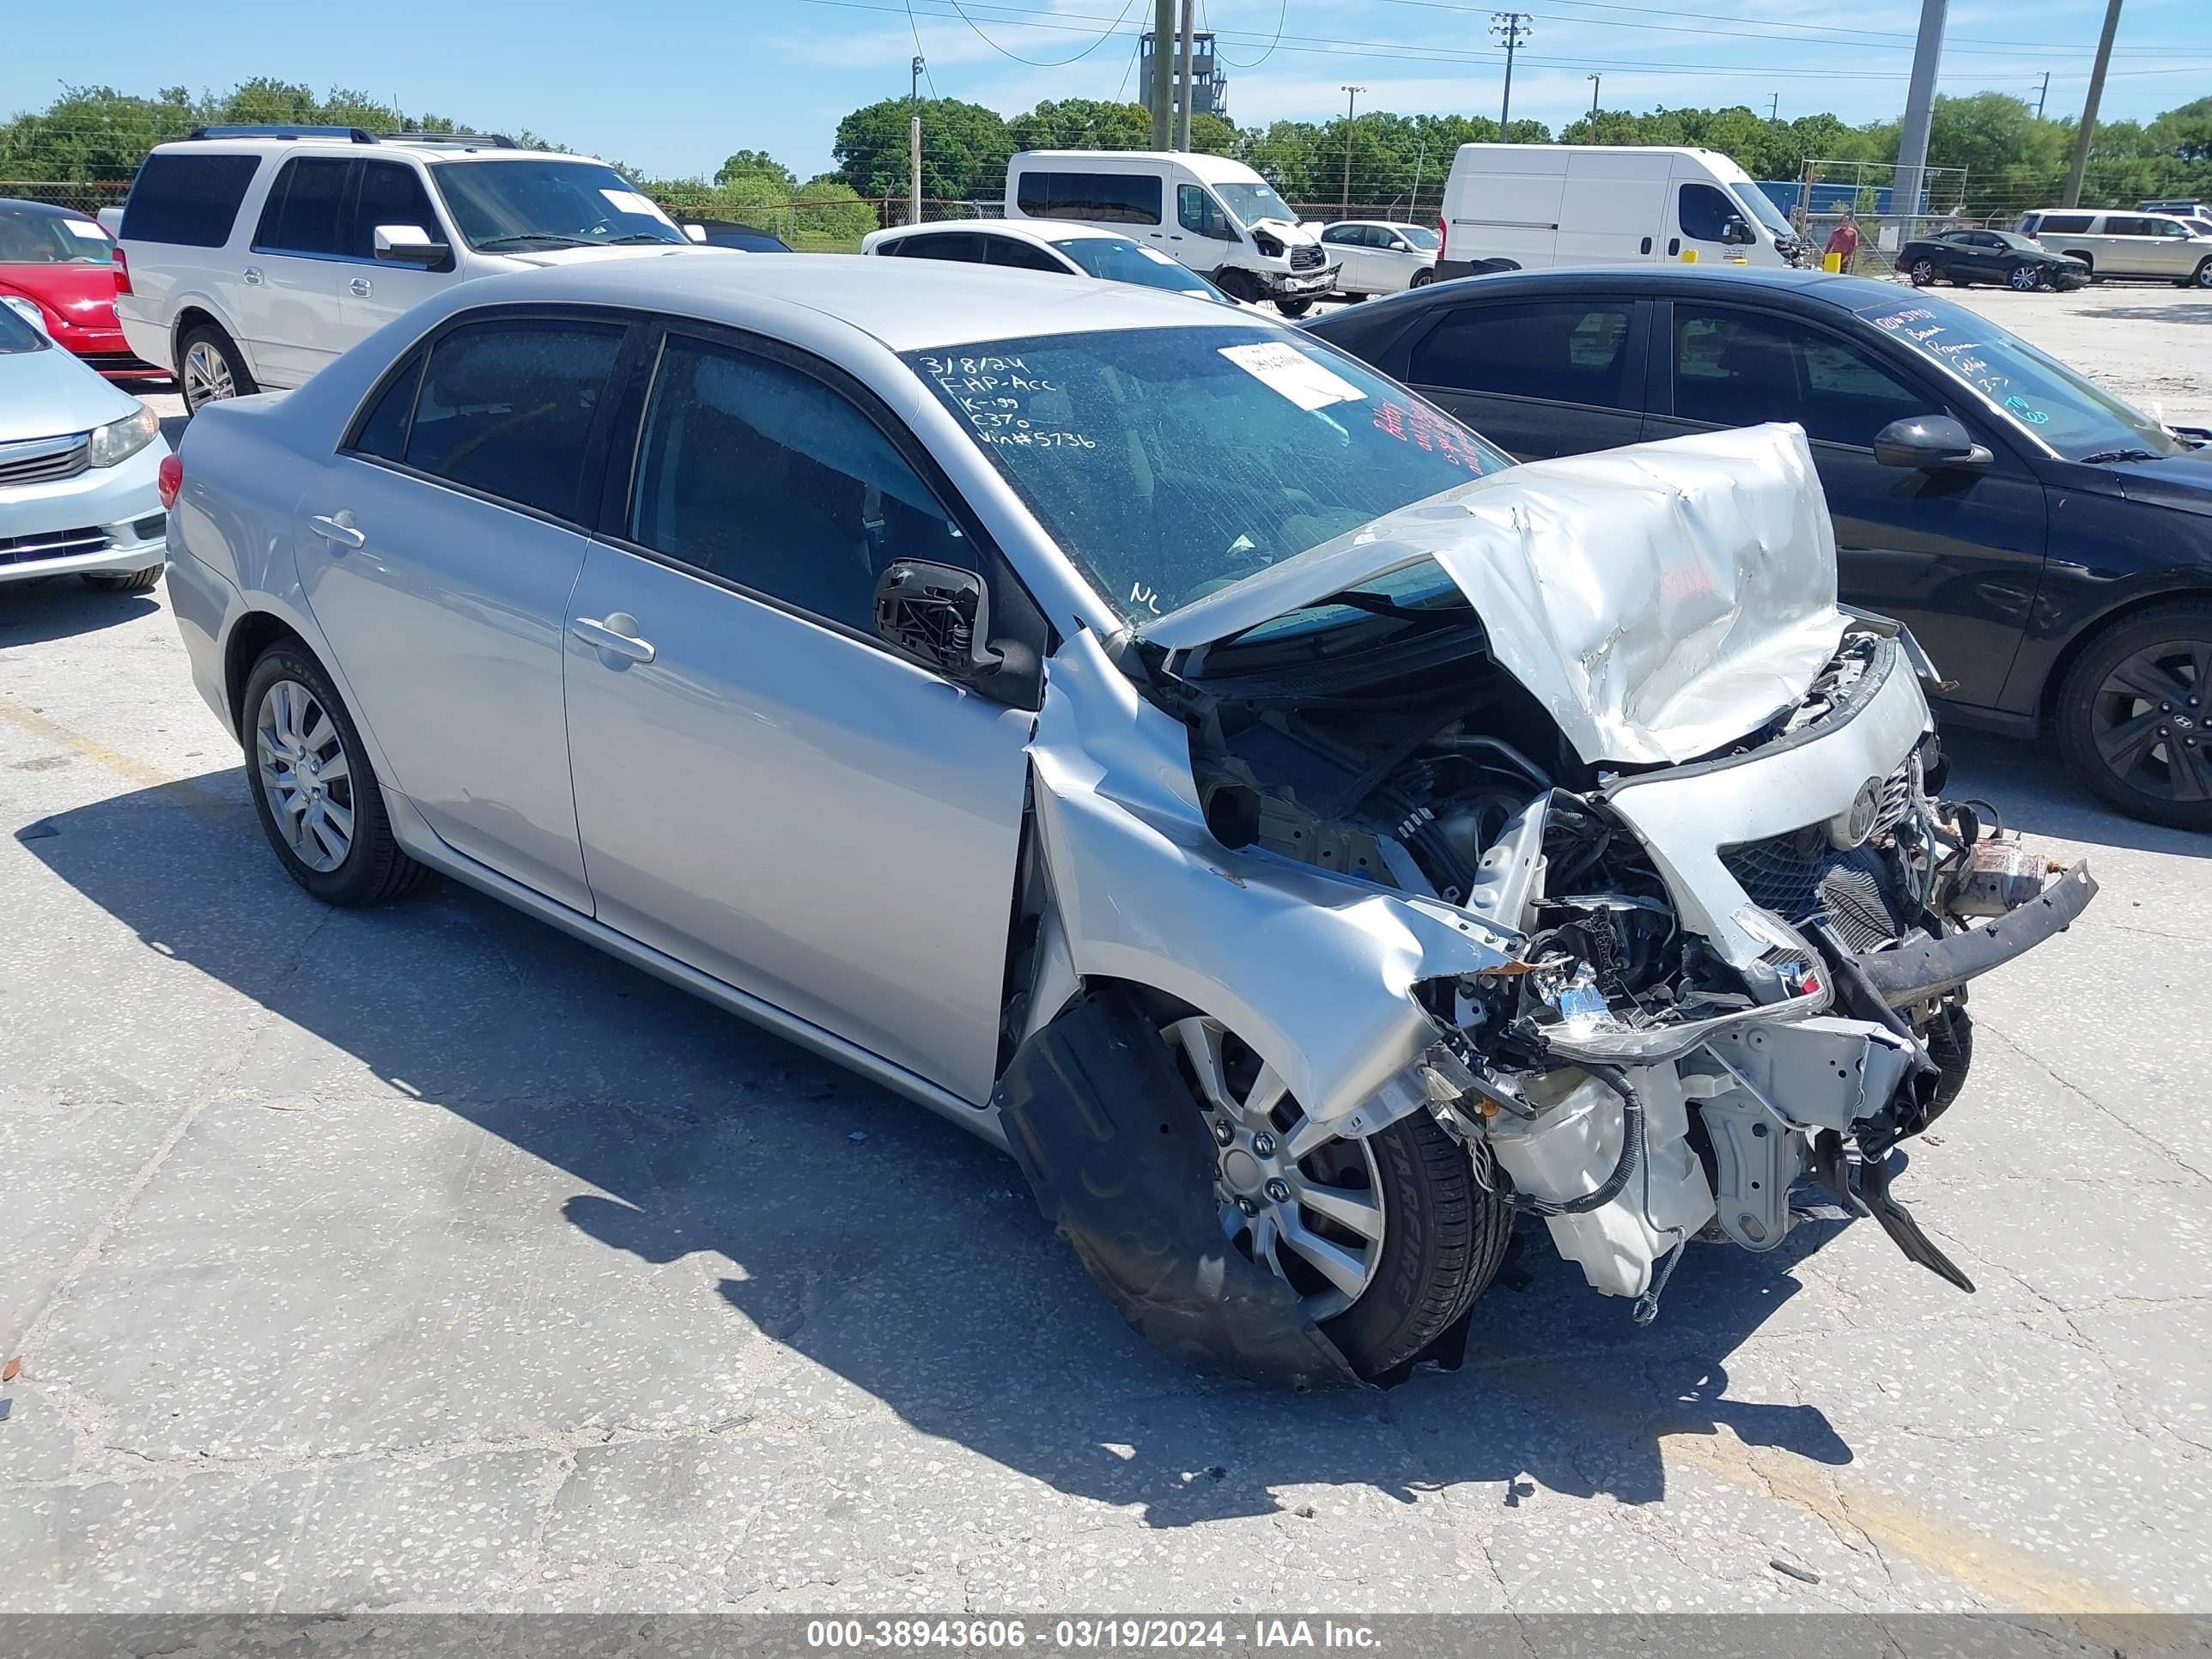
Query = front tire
x=210 y=370
x=1388 y=1240
x=314 y=787
x=124 y=581
x=1294 y=308
x=2024 y=279
x=2135 y=715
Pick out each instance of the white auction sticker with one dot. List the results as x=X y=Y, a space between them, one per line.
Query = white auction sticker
x=629 y=201
x=1285 y=369
x=79 y=228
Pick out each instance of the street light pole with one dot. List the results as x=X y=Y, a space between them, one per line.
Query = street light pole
x=1593 y=80
x=913 y=141
x=1351 y=102
x=1511 y=28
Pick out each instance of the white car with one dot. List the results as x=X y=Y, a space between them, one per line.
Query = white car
x=79 y=466
x=252 y=256
x=1378 y=257
x=1063 y=250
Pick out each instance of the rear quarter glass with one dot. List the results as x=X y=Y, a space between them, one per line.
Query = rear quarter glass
x=188 y=200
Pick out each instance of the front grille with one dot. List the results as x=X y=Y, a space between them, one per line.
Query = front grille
x=1308 y=258
x=44 y=463
x=52 y=544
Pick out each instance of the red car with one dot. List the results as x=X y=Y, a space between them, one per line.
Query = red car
x=64 y=263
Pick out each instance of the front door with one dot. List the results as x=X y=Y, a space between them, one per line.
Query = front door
x=438 y=552
x=1537 y=378
x=1702 y=214
x=372 y=291
x=765 y=791
x=1956 y=555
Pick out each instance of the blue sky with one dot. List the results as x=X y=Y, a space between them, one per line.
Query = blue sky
x=672 y=86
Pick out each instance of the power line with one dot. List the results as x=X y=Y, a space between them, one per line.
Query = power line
x=1282 y=15
x=1104 y=34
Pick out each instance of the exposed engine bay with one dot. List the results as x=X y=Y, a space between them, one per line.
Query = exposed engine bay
x=1653 y=996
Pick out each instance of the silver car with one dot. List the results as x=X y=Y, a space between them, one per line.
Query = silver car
x=1145 y=736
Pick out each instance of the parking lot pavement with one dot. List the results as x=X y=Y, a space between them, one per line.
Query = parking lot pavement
x=422 y=1257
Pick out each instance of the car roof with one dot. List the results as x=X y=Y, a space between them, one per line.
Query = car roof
x=905 y=305
x=1029 y=231
x=425 y=149
x=1845 y=292
x=17 y=204
x=1214 y=169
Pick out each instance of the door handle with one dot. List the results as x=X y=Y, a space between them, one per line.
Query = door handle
x=617 y=636
x=339 y=529
x=253 y=274
x=358 y=287
x=1647 y=245
x=1674 y=246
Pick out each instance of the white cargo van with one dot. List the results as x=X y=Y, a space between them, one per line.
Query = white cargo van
x=1215 y=216
x=1572 y=204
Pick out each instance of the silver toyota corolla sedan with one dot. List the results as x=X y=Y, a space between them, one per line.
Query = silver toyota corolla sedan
x=1149 y=739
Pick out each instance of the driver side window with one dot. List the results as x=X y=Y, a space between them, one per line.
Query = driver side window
x=765 y=476
x=1704 y=212
x=1198 y=212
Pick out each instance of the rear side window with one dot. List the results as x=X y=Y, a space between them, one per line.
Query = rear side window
x=507 y=408
x=383 y=431
x=961 y=246
x=390 y=194
x=302 y=213
x=2072 y=224
x=1569 y=352
x=190 y=200
x=767 y=477
x=1020 y=256
x=1113 y=198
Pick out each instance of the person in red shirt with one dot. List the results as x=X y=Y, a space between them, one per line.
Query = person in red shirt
x=1844 y=239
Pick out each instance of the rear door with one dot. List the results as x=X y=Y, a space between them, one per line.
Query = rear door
x=2127 y=247
x=1348 y=247
x=288 y=295
x=1957 y=556
x=372 y=291
x=438 y=549
x=765 y=791
x=1539 y=378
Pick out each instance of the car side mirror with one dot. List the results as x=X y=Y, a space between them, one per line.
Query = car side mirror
x=1929 y=443
x=1735 y=233
x=940 y=615
x=409 y=244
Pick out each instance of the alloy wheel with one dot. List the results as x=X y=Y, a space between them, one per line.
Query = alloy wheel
x=305 y=774
x=1923 y=272
x=1299 y=1200
x=2024 y=278
x=2204 y=274
x=207 y=376
x=2148 y=720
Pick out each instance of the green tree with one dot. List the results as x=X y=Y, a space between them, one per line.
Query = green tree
x=2184 y=133
x=757 y=164
x=1084 y=124
x=964 y=149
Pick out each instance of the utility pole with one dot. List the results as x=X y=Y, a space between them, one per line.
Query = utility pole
x=1593 y=80
x=2087 y=133
x=1511 y=28
x=1183 y=81
x=1351 y=102
x=1774 y=107
x=2042 y=93
x=913 y=142
x=1919 y=106
x=1163 y=89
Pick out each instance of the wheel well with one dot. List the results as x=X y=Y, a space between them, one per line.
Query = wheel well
x=256 y=632
x=2076 y=254
x=2046 y=708
x=188 y=319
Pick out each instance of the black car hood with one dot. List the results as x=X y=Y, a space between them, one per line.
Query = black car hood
x=2183 y=480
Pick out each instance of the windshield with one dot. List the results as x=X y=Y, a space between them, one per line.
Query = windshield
x=1761 y=207
x=1117 y=259
x=1170 y=462
x=52 y=239
x=17 y=335
x=1253 y=203
x=513 y=207
x=1420 y=236
x=2039 y=395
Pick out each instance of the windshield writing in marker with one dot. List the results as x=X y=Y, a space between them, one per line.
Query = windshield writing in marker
x=1005 y=402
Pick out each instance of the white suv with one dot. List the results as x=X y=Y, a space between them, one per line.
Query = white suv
x=252 y=256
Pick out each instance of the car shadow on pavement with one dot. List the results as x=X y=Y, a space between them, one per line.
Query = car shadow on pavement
x=2029 y=784
x=898 y=1258
x=61 y=607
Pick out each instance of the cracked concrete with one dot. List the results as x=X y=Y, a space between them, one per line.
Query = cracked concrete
x=423 y=1259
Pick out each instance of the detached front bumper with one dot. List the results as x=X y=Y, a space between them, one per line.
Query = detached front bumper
x=1299 y=285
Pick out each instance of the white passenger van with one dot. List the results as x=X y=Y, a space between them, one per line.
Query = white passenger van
x=1215 y=216
x=1572 y=204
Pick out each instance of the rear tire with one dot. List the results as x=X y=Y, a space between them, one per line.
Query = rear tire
x=210 y=368
x=2135 y=715
x=1923 y=273
x=369 y=867
x=124 y=581
x=2204 y=276
x=1423 y=278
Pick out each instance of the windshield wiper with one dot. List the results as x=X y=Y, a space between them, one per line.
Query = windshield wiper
x=553 y=237
x=640 y=236
x=2105 y=455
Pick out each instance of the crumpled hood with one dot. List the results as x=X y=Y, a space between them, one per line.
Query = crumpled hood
x=1662 y=600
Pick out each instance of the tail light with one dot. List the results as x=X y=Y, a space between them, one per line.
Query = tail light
x=1440 y=235
x=122 y=271
x=169 y=478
